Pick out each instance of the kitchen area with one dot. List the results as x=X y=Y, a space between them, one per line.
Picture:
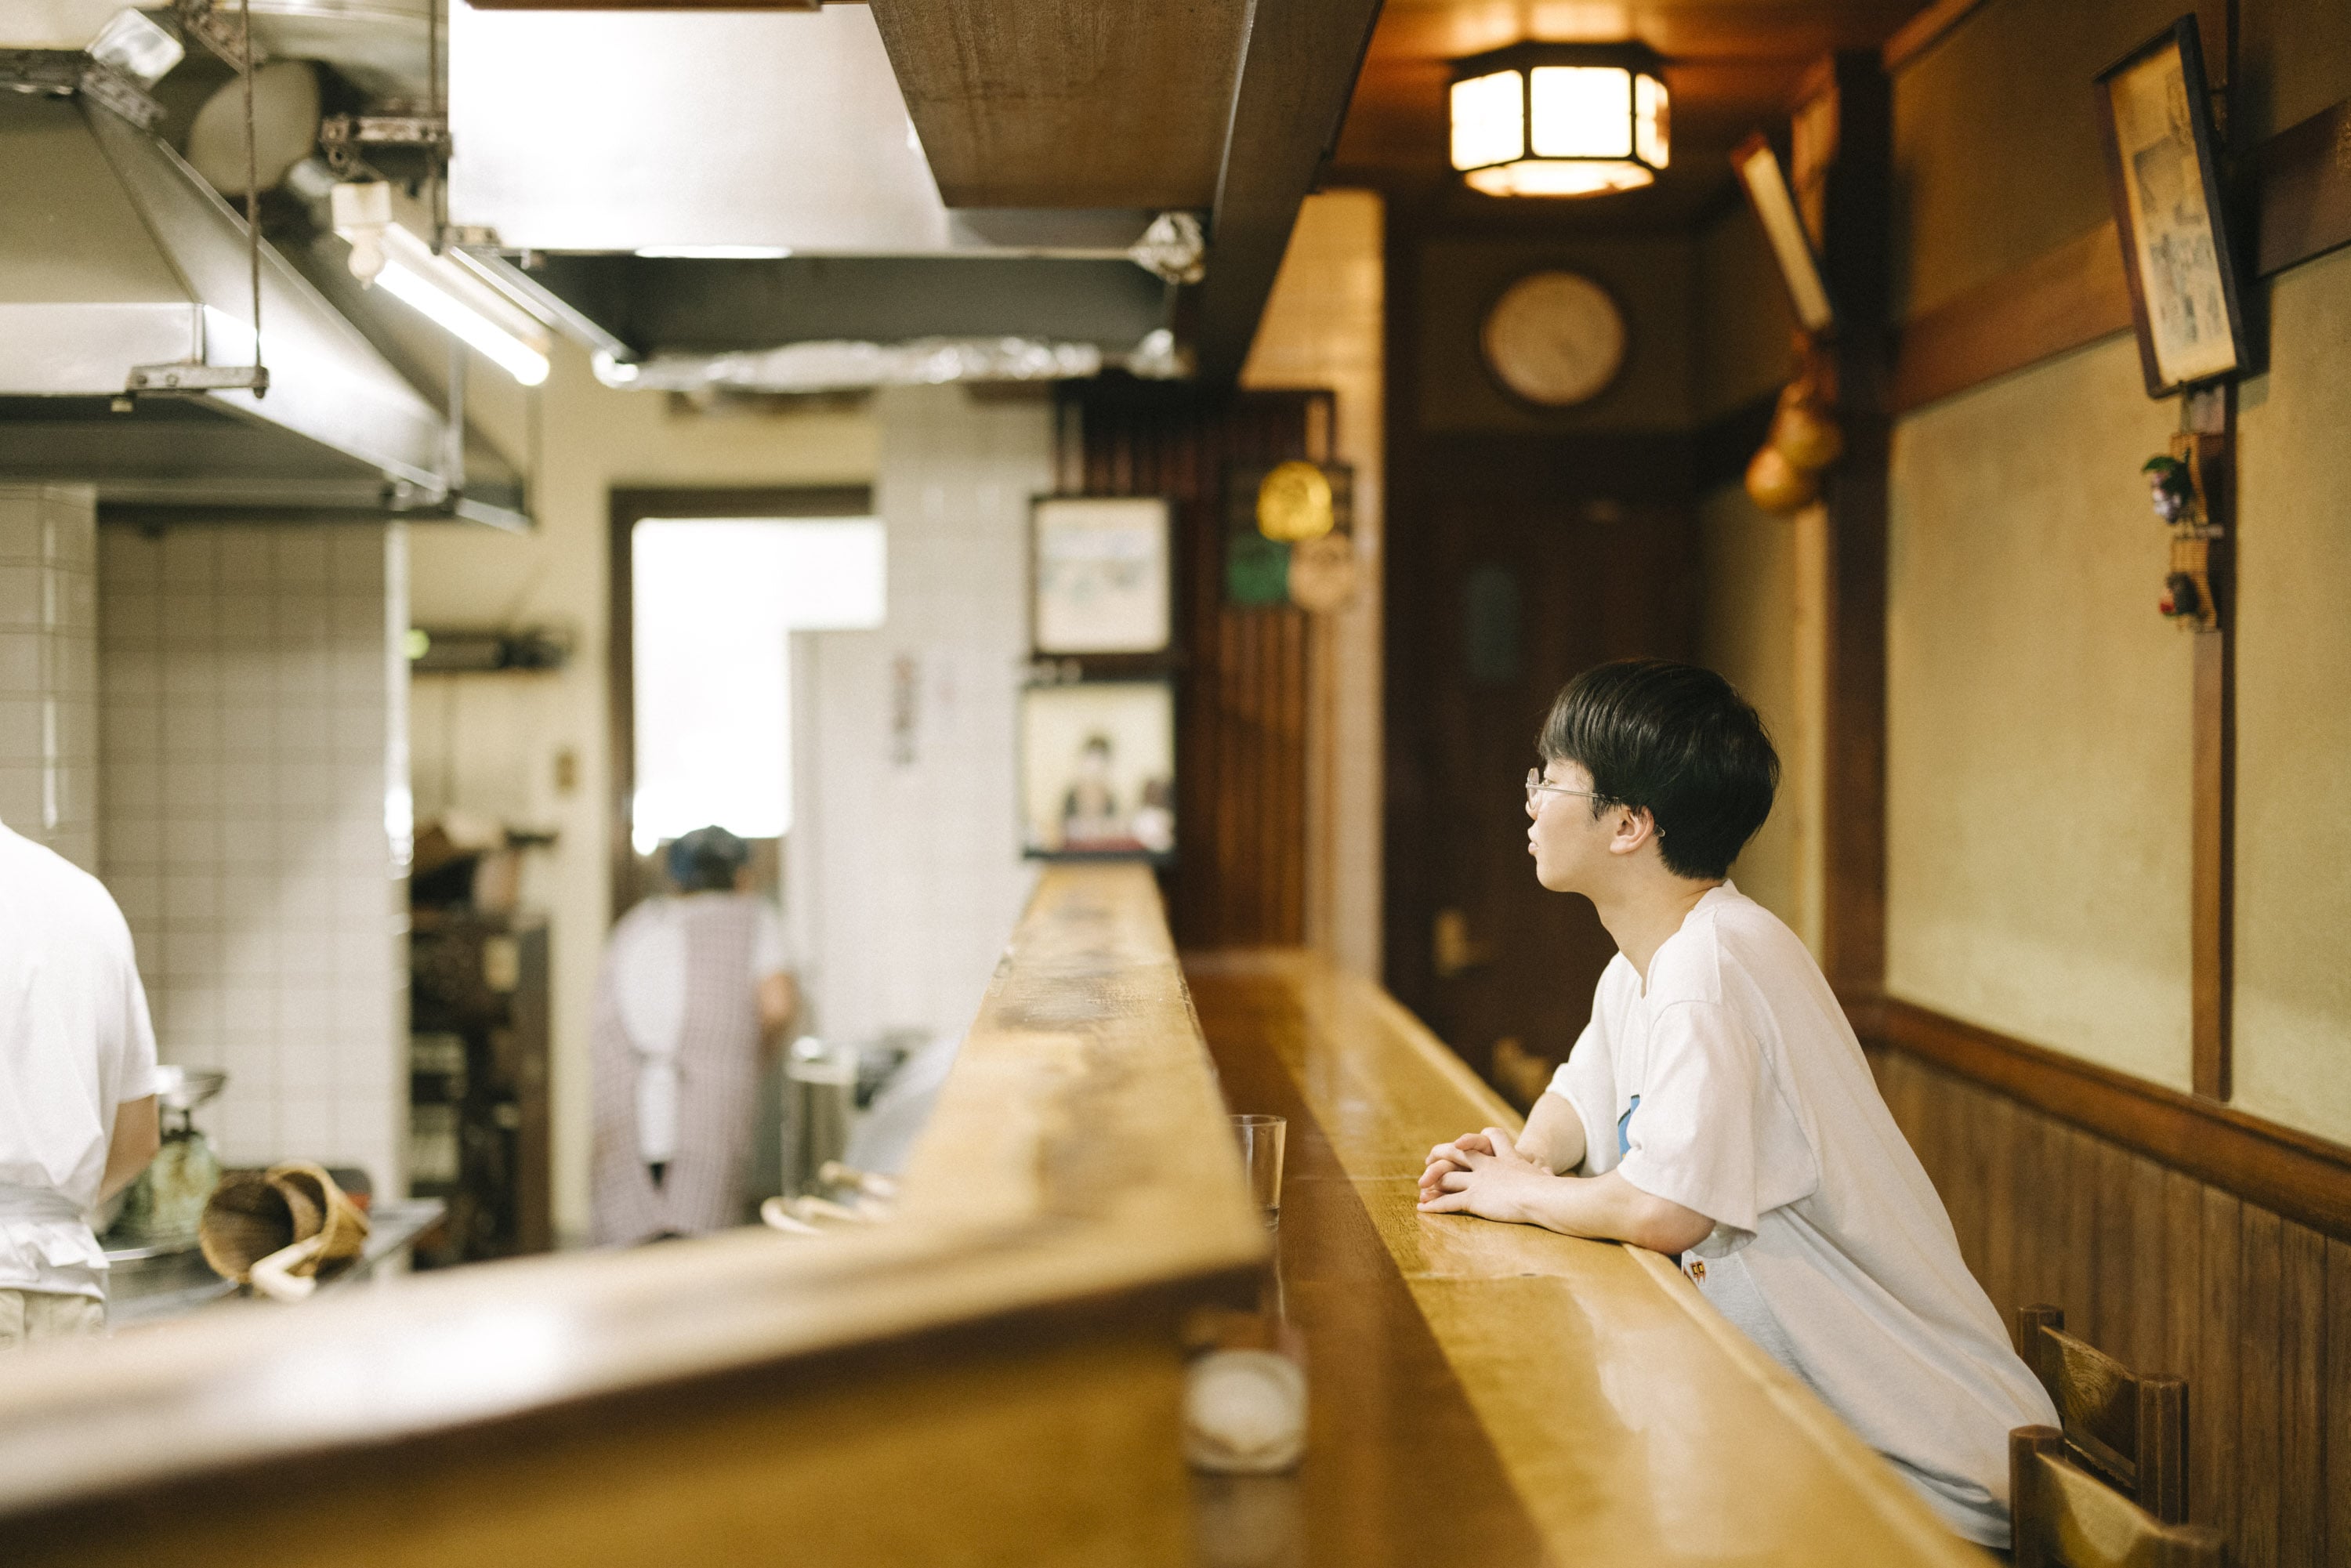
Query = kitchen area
x=807 y=717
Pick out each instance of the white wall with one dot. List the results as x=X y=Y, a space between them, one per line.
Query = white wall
x=904 y=877
x=251 y=701
x=48 y=673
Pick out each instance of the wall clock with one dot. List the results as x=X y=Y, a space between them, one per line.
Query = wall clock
x=1556 y=339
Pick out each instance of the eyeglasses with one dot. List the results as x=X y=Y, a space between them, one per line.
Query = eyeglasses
x=1538 y=785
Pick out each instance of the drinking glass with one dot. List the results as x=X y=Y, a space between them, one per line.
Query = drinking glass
x=1261 y=1138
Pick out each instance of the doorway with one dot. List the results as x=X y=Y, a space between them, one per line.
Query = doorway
x=707 y=588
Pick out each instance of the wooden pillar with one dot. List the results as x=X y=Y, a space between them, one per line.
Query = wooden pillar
x=1847 y=113
x=2210 y=418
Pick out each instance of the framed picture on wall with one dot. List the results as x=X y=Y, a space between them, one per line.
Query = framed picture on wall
x=1099 y=579
x=2163 y=175
x=1098 y=770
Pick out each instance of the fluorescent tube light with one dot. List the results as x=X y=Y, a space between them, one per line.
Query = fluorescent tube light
x=518 y=359
x=453 y=297
x=715 y=252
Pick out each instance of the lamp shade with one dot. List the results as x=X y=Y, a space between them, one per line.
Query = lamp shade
x=1560 y=120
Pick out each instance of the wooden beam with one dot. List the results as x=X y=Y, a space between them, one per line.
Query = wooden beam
x=2305 y=198
x=2304 y=1178
x=2060 y=300
x=1924 y=31
x=1067 y=103
x=2077 y=292
x=1297 y=70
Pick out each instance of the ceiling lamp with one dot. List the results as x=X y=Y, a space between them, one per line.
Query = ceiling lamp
x=1560 y=120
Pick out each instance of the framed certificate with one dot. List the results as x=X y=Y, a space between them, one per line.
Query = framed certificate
x=1100 y=580
x=2163 y=176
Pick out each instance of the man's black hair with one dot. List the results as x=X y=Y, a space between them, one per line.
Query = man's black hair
x=705 y=860
x=1677 y=740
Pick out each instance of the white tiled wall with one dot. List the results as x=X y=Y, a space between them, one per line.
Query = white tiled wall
x=255 y=800
x=903 y=868
x=49 y=667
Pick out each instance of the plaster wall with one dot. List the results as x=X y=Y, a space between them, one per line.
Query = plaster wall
x=2293 y=1023
x=2039 y=724
x=1762 y=630
x=2039 y=732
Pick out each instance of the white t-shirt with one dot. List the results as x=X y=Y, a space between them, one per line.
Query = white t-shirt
x=1736 y=1088
x=649 y=981
x=75 y=1043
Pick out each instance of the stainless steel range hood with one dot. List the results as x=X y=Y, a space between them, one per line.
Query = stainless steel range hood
x=115 y=253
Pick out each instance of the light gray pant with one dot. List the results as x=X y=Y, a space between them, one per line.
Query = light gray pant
x=29 y=1317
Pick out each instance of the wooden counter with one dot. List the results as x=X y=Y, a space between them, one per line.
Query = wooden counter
x=993 y=1376
x=1498 y=1395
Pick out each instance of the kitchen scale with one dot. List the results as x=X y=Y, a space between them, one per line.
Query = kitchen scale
x=159 y=1211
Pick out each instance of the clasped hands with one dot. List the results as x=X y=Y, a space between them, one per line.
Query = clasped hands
x=1483 y=1174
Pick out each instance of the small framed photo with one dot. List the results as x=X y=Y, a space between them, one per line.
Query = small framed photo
x=1100 y=578
x=1760 y=176
x=1098 y=770
x=2163 y=175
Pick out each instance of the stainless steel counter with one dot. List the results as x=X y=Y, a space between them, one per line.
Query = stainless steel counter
x=149 y=1285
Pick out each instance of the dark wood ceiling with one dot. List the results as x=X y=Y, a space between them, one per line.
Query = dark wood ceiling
x=1731 y=65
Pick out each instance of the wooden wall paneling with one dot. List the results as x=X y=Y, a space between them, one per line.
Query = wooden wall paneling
x=2183 y=1301
x=2336 y=1392
x=2077 y=1246
x=2212 y=1403
x=2301 y=1177
x=2171 y=1275
x=1976 y=1152
x=1240 y=876
x=1996 y=1133
x=2151 y=1262
x=2301 y=1342
x=2111 y=1277
x=2039 y=1184
x=2260 y=1415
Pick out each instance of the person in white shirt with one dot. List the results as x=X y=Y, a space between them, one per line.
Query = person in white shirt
x=1717 y=1106
x=77 y=1089
x=696 y=990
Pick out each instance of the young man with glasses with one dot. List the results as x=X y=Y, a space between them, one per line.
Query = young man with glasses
x=1718 y=1107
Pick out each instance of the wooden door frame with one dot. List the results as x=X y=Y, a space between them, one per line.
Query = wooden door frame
x=628 y=508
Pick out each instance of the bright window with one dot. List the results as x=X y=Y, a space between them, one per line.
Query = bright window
x=716 y=602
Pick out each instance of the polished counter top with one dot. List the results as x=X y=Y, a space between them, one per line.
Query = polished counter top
x=994 y=1375
x=1075 y=1189
x=1497 y=1394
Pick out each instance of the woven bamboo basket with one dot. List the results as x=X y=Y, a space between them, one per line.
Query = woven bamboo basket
x=247 y=1218
x=340 y=1224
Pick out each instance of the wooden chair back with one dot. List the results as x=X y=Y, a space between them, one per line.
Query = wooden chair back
x=2067 y=1518
x=2128 y=1429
